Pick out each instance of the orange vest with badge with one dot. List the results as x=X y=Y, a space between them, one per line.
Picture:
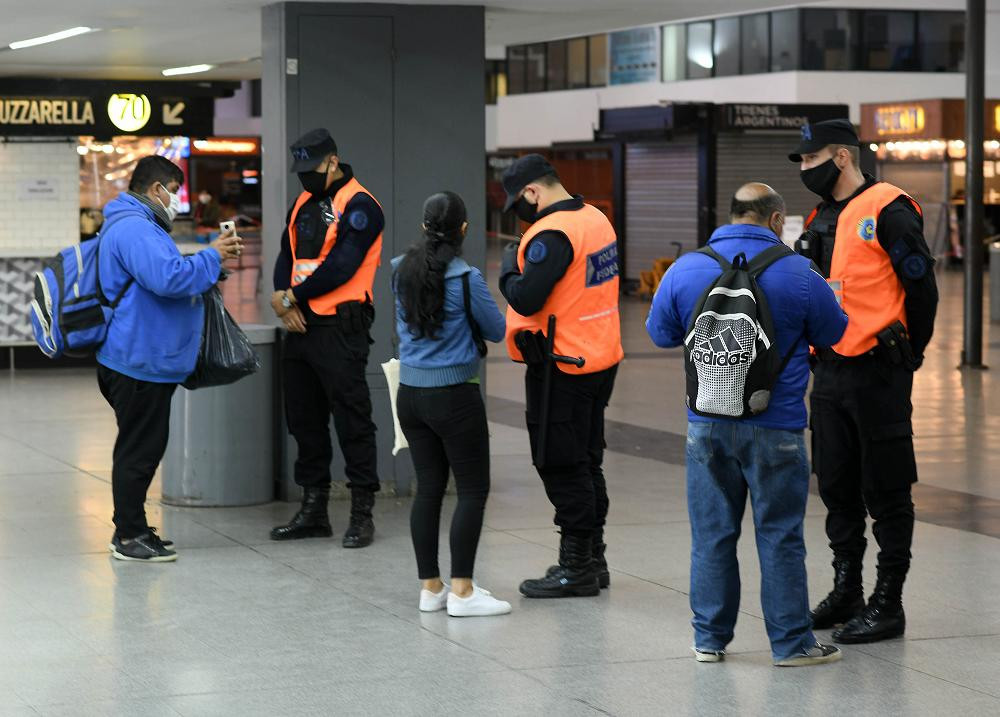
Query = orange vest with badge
x=861 y=274
x=585 y=300
x=358 y=287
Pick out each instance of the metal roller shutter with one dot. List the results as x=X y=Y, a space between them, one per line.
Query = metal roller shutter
x=661 y=202
x=746 y=158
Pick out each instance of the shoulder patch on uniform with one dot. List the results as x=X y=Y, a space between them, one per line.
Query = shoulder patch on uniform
x=358 y=220
x=537 y=252
x=915 y=266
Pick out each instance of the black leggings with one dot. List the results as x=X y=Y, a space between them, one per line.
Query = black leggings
x=446 y=428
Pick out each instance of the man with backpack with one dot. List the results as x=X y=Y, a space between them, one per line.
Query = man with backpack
x=152 y=340
x=746 y=309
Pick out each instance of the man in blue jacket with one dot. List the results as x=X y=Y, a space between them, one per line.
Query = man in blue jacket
x=764 y=455
x=153 y=338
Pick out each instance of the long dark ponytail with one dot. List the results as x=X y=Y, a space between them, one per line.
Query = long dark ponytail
x=420 y=276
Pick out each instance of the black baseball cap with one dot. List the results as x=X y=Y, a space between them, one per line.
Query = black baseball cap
x=311 y=149
x=817 y=136
x=522 y=173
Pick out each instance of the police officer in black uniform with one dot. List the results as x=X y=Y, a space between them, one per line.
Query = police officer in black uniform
x=326 y=353
x=860 y=404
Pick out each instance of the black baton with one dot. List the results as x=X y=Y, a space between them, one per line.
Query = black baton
x=551 y=358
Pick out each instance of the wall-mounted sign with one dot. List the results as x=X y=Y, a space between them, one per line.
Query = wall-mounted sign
x=635 y=56
x=923 y=119
x=128 y=112
x=899 y=120
x=776 y=117
x=35 y=112
x=42 y=188
x=105 y=109
x=226 y=145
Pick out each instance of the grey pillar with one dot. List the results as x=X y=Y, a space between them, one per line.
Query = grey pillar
x=402 y=90
x=975 y=65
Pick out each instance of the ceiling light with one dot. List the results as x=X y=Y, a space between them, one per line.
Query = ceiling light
x=189 y=70
x=54 y=37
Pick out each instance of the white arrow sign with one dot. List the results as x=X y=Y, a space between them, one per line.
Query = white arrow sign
x=172 y=114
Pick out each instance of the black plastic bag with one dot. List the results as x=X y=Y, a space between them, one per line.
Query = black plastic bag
x=226 y=354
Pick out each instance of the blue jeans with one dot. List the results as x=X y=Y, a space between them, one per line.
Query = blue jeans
x=724 y=462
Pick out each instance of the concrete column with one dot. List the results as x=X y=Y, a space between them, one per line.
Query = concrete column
x=402 y=90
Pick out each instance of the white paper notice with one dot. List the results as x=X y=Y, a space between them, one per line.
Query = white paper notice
x=38 y=189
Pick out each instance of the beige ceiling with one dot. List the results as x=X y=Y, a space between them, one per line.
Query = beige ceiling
x=141 y=37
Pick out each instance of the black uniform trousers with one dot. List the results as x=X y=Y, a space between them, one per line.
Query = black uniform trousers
x=863 y=456
x=324 y=372
x=142 y=411
x=572 y=470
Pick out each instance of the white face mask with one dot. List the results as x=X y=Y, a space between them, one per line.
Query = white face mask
x=174 y=208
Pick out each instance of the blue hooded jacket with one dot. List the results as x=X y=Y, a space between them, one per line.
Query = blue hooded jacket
x=803 y=306
x=452 y=357
x=155 y=332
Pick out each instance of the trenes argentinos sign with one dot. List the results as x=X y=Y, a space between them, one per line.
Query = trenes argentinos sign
x=106 y=108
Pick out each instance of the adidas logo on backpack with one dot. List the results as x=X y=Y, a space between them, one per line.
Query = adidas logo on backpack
x=69 y=312
x=730 y=353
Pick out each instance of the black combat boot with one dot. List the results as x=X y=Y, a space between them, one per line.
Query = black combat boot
x=361 y=531
x=598 y=547
x=847 y=598
x=882 y=618
x=575 y=576
x=312 y=520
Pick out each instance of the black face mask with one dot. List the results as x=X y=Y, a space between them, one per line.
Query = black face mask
x=525 y=210
x=821 y=178
x=313 y=182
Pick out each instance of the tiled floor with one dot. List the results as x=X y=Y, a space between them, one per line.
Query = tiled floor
x=243 y=626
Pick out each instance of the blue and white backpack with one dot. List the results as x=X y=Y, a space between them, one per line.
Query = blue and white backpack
x=69 y=313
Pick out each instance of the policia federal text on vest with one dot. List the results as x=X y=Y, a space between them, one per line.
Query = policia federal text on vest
x=566 y=267
x=867 y=238
x=323 y=281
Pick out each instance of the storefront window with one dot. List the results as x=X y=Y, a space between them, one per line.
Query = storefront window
x=754 y=44
x=106 y=167
x=556 y=66
x=577 y=62
x=673 y=53
x=515 y=70
x=889 y=40
x=941 y=41
x=829 y=39
x=785 y=40
x=535 y=61
x=726 y=44
x=699 y=50
x=598 y=60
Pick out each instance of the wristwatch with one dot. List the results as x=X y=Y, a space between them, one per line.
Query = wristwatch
x=285 y=301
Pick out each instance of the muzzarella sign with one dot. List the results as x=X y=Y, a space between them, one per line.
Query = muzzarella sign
x=105 y=108
x=54 y=111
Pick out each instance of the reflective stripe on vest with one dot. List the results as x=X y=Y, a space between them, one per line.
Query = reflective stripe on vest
x=360 y=286
x=585 y=299
x=862 y=275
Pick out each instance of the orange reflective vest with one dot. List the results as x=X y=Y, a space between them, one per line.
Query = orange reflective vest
x=585 y=300
x=358 y=287
x=861 y=274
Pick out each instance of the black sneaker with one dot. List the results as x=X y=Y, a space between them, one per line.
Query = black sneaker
x=819 y=654
x=152 y=529
x=147 y=548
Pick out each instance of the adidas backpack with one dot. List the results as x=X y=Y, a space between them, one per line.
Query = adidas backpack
x=730 y=353
x=69 y=312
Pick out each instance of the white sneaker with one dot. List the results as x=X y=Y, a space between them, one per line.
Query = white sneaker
x=480 y=603
x=432 y=602
x=708 y=655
